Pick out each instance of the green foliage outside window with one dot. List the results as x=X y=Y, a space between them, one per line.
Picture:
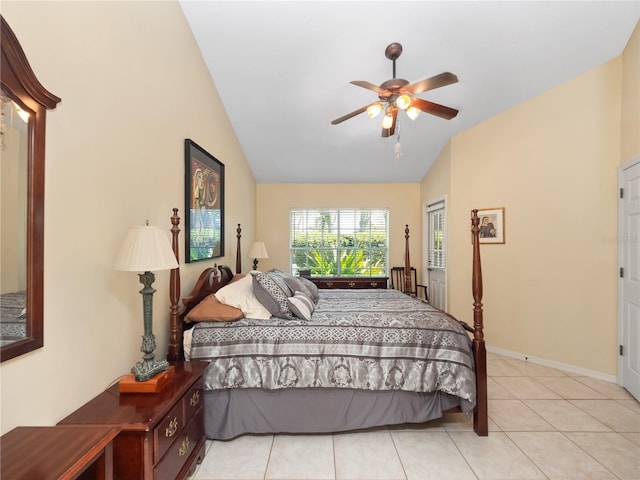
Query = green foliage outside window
x=339 y=242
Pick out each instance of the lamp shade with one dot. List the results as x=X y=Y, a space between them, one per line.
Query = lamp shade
x=146 y=249
x=258 y=250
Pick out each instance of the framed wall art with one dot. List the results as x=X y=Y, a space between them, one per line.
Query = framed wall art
x=204 y=202
x=491 y=225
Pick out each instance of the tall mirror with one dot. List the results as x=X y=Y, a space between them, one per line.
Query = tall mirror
x=24 y=104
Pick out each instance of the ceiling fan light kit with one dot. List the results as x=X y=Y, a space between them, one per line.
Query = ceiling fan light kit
x=374 y=109
x=387 y=121
x=403 y=101
x=398 y=93
x=413 y=112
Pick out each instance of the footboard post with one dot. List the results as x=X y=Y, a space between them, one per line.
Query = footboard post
x=480 y=413
x=407 y=263
x=238 y=254
x=175 y=327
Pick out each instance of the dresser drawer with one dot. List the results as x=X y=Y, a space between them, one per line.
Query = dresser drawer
x=168 y=429
x=350 y=282
x=181 y=449
x=193 y=400
x=172 y=425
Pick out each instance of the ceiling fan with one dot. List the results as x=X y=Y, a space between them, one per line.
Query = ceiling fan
x=398 y=93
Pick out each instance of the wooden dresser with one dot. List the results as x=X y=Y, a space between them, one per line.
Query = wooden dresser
x=162 y=434
x=349 y=282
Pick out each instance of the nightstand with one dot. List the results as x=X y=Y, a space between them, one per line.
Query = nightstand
x=58 y=453
x=162 y=434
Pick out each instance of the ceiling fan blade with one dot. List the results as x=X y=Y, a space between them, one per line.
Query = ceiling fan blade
x=434 y=108
x=349 y=115
x=371 y=86
x=388 y=132
x=437 y=81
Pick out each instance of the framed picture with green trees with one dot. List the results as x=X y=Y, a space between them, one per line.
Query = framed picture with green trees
x=204 y=204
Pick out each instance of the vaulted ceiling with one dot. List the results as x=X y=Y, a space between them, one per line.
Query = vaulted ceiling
x=283 y=70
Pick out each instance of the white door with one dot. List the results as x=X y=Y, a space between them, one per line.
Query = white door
x=436 y=254
x=629 y=282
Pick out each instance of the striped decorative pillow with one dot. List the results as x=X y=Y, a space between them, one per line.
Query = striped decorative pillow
x=271 y=295
x=301 y=305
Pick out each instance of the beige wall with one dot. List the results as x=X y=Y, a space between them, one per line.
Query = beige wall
x=630 y=134
x=550 y=290
x=133 y=87
x=435 y=187
x=274 y=202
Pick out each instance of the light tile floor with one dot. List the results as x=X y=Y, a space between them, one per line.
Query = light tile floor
x=543 y=424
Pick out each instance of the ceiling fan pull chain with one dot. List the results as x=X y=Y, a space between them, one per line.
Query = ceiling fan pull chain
x=397 y=151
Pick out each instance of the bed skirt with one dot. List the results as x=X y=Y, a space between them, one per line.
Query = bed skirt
x=233 y=412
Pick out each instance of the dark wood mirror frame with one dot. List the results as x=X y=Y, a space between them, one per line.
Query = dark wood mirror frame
x=21 y=85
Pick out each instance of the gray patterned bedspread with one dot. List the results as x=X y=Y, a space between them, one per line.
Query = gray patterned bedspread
x=13 y=318
x=362 y=339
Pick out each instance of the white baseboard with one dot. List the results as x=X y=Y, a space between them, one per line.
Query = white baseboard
x=558 y=365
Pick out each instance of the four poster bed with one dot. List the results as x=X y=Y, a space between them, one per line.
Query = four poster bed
x=303 y=360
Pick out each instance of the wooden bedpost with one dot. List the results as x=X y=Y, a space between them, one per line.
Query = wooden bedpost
x=175 y=328
x=480 y=414
x=407 y=262
x=238 y=255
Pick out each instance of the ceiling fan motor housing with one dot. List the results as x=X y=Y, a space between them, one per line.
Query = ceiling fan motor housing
x=394 y=85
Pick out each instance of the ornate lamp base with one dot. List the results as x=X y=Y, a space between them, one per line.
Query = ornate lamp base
x=148 y=367
x=145 y=370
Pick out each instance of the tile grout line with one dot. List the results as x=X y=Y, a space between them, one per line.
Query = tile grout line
x=506 y=433
x=563 y=433
x=395 y=447
x=266 y=467
x=588 y=454
x=333 y=450
x=475 y=474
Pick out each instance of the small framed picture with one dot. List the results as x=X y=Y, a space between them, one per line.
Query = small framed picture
x=204 y=198
x=491 y=225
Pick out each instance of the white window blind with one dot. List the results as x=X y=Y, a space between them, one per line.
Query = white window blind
x=339 y=242
x=437 y=236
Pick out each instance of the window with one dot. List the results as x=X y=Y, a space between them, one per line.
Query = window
x=345 y=242
x=437 y=236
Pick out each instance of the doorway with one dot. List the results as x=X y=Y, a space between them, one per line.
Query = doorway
x=436 y=249
x=629 y=277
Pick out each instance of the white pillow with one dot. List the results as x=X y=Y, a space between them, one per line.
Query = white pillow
x=239 y=294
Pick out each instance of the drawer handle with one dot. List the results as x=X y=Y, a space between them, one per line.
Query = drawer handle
x=329 y=284
x=172 y=428
x=195 y=398
x=184 y=448
x=374 y=284
x=352 y=284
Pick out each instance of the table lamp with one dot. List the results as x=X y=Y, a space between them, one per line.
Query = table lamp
x=146 y=249
x=258 y=250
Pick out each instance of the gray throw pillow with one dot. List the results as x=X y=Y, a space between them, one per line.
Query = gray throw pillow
x=301 y=305
x=313 y=288
x=271 y=295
